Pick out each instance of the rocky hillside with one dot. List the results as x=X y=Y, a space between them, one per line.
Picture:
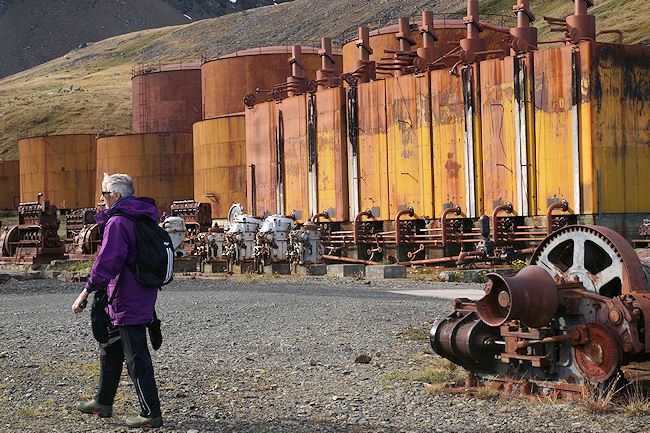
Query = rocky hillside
x=89 y=89
x=35 y=31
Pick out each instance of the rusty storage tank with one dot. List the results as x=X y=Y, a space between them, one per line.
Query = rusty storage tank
x=10 y=181
x=227 y=79
x=296 y=161
x=450 y=170
x=327 y=163
x=591 y=117
x=62 y=167
x=448 y=32
x=220 y=163
x=161 y=164
x=166 y=98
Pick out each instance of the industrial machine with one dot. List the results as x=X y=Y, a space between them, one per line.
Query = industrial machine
x=83 y=238
x=34 y=240
x=272 y=241
x=574 y=316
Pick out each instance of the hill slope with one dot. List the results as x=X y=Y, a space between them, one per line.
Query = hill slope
x=31 y=30
x=89 y=89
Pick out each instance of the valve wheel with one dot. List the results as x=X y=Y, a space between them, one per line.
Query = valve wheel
x=601 y=259
x=599 y=358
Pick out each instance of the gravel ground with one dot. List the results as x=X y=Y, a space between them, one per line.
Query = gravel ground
x=249 y=354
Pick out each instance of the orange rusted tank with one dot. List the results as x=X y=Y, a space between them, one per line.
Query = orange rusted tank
x=261 y=159
x=167 y=98
x=448 y=32
x=220 y=163
x=161 y=164
x=10 y=181
x=227 y=79
x=294 y=174
x=62 y=167
x=331 y=175
x=371 y=180
x=448 y=127
x=410 y=174
x=591 y=117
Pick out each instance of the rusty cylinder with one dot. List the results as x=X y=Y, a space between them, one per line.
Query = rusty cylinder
x=530 y=297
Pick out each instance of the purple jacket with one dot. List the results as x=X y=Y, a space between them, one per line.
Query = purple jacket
x=133 y=303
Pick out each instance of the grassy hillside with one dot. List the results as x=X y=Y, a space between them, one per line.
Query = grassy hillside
x=89 y=89
x=630 y=16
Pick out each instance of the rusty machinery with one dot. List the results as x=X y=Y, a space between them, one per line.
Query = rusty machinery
x=574 y=316
x=197 y=218
x=34 y=240
x=83 y=238
x=500 y=238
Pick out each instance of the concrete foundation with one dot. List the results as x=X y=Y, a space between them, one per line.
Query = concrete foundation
x=214 y=267
x=278 y=268
x=346 y=270
x=313 y=269
x=186 y=264
x=385 y=271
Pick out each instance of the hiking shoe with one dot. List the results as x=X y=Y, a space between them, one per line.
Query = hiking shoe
x=95 y=408
x=143 y=422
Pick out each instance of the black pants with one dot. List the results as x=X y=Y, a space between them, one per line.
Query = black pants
x=130 y=345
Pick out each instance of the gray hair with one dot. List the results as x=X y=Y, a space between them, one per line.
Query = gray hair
x=118 y=182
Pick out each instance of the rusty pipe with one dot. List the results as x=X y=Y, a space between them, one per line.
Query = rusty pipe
x=563 y=205
x=323 y=214
x=356 y=224
x=465 y=254
x=443 y=221
x=412 y=254
x=617 y=31
x=504 y=207
x=398 y=235
x=554 y=339
x=349 y=260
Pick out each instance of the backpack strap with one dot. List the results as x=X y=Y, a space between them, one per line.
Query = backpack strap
x=130 y=266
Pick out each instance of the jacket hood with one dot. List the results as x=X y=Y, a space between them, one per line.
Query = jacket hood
x=137 y=207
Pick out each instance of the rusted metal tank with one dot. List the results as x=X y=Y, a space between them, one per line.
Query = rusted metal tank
x=262 y=141
x=448 y=32
x=62 y=167
x=220 y=163
x=591 y=112
x=448 y=128
x=10 y=181
x=331 y=175
x=160 y=164
x=410 y=173
x=227 y=79
x=369 y=185
x=166 y=98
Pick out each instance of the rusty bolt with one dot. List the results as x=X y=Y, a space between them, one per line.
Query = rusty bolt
x=615 y=316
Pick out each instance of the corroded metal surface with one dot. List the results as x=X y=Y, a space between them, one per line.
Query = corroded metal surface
x=294 y=126
x=373 y=157
x=448 y=32
x=62 y=167
x=220 y=163
x=227 y=79
x=498 y=133
x=160 y=164
x=331 y=154
x=410 y=174
x=448 y=124
x=261 y=159
x=10 y=181
x=552 y=329
x=600 y=258
x=167 y=100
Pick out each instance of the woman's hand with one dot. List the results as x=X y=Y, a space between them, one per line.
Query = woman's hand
x=80 y=302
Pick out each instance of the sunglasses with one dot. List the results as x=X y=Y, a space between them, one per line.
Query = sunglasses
x=106 y=193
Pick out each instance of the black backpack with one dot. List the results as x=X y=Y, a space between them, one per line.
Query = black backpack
x=154 y=262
